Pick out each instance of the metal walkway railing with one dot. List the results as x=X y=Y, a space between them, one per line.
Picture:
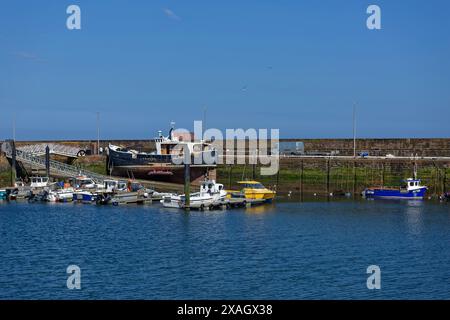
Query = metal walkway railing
x=59 y=149
x=56 y=167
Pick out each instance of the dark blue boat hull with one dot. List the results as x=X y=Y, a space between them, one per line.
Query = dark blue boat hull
x=395 y=194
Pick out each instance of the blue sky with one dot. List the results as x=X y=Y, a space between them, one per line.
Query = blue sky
x=294 y=65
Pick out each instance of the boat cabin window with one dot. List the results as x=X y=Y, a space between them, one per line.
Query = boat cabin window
x=254 y=185
x=85 y=182
x=39 y=180
x=110 y=184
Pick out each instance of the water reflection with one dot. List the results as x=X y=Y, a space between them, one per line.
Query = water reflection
x=414 y=216
x=260 y=209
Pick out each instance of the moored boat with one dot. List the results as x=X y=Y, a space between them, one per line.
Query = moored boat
x=39 y=182
x=159 y=165
x=209 y=194
x=252 y=190
x=83 y=182
x=126 y=197
x=60 y=195
x=410 y=189
x=84 y=196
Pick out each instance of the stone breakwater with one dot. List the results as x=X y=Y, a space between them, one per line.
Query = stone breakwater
x=423 y=147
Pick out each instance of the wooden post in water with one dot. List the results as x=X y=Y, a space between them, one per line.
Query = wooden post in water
x=278 y=178
x=438 y=181
x=13 y=163
x=328 y=178
x=301 y=180
x=354 y=178
x=347 y=170
x=47 y=161
x=229 y=176
x=435 y=179
x=187 y=186
x=444 y=180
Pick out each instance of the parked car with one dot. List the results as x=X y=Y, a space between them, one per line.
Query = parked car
x=363 y=154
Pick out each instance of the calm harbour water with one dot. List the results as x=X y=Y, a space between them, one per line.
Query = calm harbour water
x=310 y=250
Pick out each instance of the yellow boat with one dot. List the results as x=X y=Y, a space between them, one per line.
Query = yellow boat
x=252 y=190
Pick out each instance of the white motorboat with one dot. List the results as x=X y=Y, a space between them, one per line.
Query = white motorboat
x=83 y=182
x=110 y=186
x=60 y=195
x=125 y=197
x=210 y=193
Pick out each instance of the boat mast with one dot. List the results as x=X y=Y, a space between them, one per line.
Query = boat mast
x=415 y=167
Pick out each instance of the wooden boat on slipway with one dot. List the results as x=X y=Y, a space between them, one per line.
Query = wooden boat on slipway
x=159 y=165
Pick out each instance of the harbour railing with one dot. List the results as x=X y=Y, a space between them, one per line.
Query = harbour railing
x=56 y=167
x=59 y=149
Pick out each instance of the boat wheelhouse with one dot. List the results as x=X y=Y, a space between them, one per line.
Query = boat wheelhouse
x=83 y=182
x=39 y=182
x=111 y=186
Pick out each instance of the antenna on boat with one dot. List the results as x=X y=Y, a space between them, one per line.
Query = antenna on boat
x=415 y=167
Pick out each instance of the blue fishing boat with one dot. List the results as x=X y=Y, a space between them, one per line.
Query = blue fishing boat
x=411 y=189
x=84 y=196
x=3 y=194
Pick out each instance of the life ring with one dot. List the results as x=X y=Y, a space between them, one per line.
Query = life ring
x=81 y=153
